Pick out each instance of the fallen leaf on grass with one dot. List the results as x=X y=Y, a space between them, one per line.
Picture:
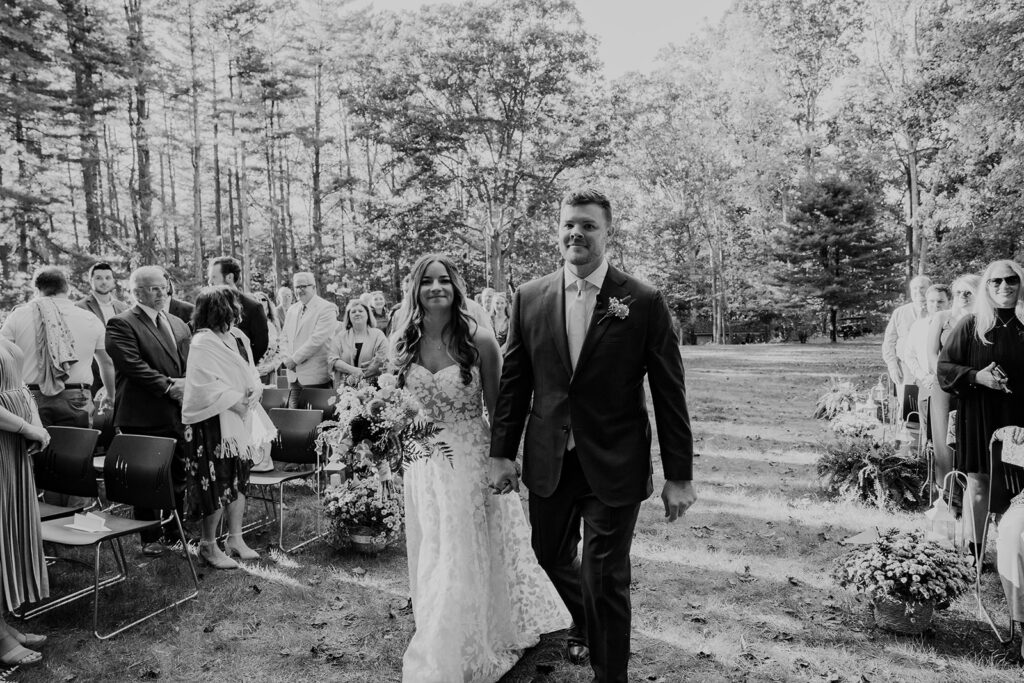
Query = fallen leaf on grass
x=256 y=589
x=357 y=571
x=209 y=628
x=822 y=537
x=793 y=581
x=698 y=620
x=150 y=674
x=705 y=655
x=693 y=605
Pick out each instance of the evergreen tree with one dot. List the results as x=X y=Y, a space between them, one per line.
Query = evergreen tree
x=833 y=250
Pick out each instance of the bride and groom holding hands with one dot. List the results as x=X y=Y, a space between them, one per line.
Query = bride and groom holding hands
x=581 y=342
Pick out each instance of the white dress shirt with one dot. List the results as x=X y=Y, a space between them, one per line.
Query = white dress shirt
x=592 y=287
x=86 y=329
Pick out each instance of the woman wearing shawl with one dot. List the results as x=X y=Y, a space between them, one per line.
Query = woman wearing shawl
x=225 y=424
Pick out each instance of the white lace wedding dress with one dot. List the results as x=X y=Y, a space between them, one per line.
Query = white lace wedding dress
x=479 y=597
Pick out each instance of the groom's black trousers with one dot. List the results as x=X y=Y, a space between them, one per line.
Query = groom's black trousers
x=596 y=589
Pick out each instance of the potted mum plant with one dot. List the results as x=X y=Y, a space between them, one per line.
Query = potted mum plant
x=906 y=576
x=363 y=512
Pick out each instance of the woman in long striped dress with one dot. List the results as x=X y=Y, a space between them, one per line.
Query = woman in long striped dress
x=22 y=566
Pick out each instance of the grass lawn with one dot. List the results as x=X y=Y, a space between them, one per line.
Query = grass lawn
x=739 y=590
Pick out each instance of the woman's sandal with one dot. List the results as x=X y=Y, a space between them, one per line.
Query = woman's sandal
x=18 y=655
x=29 y=640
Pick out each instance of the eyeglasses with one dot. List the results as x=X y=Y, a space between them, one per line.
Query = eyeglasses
x=303 y=286
x=153 y=289
x=1010 y=280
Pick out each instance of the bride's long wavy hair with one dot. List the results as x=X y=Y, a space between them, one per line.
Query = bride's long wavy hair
x=405 y=340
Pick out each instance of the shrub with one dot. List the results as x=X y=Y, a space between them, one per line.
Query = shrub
x=875 y=473
x=840 y=397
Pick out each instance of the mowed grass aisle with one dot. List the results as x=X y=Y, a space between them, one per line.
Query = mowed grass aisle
x=737 y=590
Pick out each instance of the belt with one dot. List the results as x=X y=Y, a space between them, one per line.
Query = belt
x=79 y=387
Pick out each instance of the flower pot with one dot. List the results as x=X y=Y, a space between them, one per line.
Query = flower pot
x=366 y=541
x=903 y=617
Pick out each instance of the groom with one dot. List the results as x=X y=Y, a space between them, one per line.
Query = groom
x=580 y=342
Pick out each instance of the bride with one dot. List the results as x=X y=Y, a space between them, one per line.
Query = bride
x=479 y=597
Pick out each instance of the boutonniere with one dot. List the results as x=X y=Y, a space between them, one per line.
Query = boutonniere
x=617 y=308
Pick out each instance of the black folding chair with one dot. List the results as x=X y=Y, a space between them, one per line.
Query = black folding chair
x=137 y=472
x=65 y=467
x=295 y=443
x=282 y=382
x=1005 y=482
x=274 y=398
x=319 y=399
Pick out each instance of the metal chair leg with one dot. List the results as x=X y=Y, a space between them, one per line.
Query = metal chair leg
x=977 y=585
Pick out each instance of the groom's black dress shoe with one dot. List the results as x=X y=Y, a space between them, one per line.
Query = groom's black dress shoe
x=577 y=653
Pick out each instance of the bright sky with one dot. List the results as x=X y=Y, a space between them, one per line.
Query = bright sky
x=630 y=31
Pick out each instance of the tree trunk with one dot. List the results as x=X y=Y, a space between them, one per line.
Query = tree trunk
x=275 y=230
x=832 y=314
x=197 y=205
x=218 y=229
x=139 y=67
x=318 y=222
x=918 y=256
x=85 y=98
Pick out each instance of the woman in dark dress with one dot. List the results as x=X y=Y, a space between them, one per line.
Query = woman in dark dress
x=982 y=363
x=224 y=424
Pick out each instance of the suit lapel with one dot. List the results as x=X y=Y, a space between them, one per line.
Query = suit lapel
x=94 y=306
x=160 y=337
x=612 y=287
x=554 y=304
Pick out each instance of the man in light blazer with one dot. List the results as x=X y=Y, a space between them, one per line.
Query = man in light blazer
x=581 y=341
x=308 y=327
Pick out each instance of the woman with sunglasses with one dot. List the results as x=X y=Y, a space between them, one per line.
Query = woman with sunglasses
x=982 y=364
x=940 y=326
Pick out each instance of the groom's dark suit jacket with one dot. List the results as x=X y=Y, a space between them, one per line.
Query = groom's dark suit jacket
x=144 y=364
x=603 y=400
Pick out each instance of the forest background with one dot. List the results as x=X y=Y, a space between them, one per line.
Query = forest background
x=785 y=166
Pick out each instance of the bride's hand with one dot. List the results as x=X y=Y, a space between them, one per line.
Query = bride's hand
x=502 y=476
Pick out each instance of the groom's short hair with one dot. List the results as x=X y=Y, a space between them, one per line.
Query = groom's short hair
x=589 y=195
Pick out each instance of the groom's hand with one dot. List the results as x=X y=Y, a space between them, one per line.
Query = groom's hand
x=678 y=496
x=502 y=476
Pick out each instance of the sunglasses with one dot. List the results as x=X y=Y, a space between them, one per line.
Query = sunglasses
x=965 y=293
x=1010 y=280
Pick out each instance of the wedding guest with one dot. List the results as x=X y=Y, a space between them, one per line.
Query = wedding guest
x=101 y=301
x=59 y=341
x=23 y=576
x=1010 y=533
x=942 y=402
x=307 y=328
x=285 y=299
x=982 y=363
x=895 y=340
x=271 y=360
x=379 y=309
x=221 y=409
x=150 y=349
x=359 y=348
x=226 y=270
x=104 y=305
x=916 y=350
x=179 y=308
x=500 y=312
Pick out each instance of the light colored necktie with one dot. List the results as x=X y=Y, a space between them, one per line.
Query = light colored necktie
x=577 y=321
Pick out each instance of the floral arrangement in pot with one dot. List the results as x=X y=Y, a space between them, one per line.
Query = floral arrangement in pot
x=364 y=512
x=906 y=576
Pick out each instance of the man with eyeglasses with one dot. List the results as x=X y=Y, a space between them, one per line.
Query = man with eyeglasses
x=308 y=327
x=895 y=341
x=149 y=349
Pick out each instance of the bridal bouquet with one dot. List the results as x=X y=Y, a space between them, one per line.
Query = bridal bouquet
x=380 y=428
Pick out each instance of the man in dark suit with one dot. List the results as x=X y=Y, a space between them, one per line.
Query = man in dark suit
x=103 y=304
x=580 y=342
x=226 y=270
x=149 y=349
x=179 y=308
